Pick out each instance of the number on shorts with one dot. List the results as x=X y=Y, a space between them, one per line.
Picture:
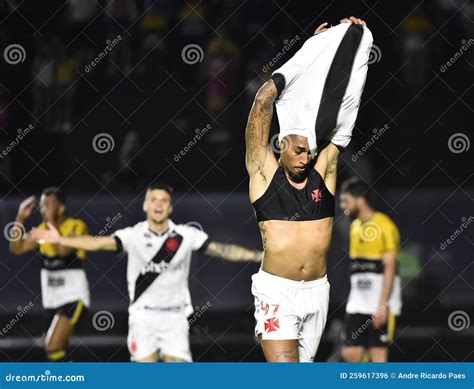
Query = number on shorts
x=266 y=307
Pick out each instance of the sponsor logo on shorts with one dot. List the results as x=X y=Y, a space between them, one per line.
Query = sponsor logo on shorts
x=272 y=325
x=316 y=195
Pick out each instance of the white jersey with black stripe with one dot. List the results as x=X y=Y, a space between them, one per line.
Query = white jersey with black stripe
x=158 y=265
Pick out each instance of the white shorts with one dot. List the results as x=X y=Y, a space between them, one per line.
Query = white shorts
x=164 y=332
x=287 y=309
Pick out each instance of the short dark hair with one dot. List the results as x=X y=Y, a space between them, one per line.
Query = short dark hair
x=160 y=186
x=57 y=192
x=357 y=188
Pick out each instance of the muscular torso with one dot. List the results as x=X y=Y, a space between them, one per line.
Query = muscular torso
x=296 y=249
x=293 y=249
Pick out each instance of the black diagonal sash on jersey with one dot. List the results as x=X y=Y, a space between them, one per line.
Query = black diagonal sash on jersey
x=166 y=253
x=336 y=84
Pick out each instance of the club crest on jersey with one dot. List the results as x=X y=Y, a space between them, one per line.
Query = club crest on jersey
x=317 y=195
x=172 y=244
x=272 y=325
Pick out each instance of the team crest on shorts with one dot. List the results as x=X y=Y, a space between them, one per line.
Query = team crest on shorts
x=272 y=325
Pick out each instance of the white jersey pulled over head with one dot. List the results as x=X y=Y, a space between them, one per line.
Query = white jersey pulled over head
x=158 y=265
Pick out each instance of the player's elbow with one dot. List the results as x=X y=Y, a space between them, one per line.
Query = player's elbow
x=267 y=94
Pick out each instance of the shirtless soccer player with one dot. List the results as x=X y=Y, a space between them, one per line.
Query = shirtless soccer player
x=159 y=258
x=317 y=95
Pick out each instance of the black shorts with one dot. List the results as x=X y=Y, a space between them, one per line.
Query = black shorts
x=361 y=332
x=75 y=312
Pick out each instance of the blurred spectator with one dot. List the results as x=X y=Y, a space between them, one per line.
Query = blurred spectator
x=416 y=28
x=65 y=77
x=121 y=15
x=43 y=83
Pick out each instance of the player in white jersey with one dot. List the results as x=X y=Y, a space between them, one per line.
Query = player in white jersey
x=64 y=286
x=159 y=256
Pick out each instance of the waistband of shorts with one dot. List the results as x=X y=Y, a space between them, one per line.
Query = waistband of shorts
x=292 y=283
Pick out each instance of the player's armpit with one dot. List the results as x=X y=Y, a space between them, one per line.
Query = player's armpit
x=258 y=128
x=326 y=165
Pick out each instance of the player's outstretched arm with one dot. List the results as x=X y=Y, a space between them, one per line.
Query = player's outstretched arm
x=85 y=242
x=326 y=165
x=257 y=131
x=233 y=252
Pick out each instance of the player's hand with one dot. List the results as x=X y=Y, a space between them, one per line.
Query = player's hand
x=321 y=28
x=354 y=20
x=26 y=208
x=51 y=235
x=380 y=316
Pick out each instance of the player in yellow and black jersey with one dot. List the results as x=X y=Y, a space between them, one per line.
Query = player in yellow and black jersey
x=64 y=286
x=375 y=296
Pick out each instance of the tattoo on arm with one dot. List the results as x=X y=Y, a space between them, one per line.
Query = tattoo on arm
x=258 y=128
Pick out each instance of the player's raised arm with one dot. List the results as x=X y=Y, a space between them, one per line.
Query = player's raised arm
x=233 y=252
x=257 y=131
x=23 y=243
x=85 y=242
